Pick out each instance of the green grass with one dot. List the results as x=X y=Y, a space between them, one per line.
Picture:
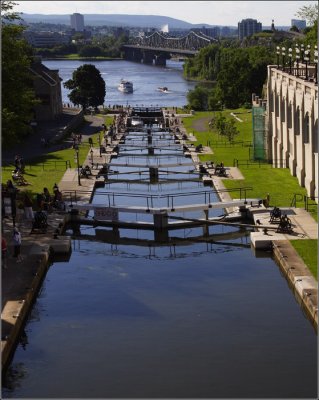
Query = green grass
x=264 y=179
x=41 y=172
x=308 y=251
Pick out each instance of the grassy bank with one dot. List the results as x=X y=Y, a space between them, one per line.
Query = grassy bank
x=49 y=169
x=307 y=249
x=263 y=178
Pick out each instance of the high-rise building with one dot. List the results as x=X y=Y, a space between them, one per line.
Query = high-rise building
x=77 y=22
x=248 y=27
x=299 y=23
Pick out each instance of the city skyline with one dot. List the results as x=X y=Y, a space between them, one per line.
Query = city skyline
x=205 y=12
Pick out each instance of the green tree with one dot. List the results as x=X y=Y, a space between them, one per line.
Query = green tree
x=90 y=51
x=309 y=13
x=198 y=98
x=87 y=86
x=17 y=85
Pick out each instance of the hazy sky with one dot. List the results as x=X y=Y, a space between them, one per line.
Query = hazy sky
x=209 y=12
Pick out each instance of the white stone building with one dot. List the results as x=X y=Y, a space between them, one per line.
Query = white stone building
x=292 y=111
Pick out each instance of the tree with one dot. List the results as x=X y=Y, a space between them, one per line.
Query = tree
x=87 y=87
x=309 y=13
x=17 y=85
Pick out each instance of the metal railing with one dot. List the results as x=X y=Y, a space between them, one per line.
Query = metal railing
x=73 y=196
x=307 y=201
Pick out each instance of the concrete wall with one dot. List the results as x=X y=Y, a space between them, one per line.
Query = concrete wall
x=292 y=108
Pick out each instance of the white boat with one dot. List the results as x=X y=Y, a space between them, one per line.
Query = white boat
x=125 y=86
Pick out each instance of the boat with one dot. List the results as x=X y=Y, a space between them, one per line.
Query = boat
x=125 y=86
x=163 y=89
x=137 y=122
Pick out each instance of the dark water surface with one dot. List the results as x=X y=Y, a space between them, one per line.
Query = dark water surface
x=186 y=320
x=194 y=321
x=146 y=81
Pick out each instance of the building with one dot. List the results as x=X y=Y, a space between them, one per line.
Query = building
x=292 y=119
x=212 y=32
x=248 y=27
x=46 y=39
x=299 y=23
x=77 y=22
x=47 y=86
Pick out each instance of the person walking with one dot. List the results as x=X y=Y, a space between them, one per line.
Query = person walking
x=17 y=244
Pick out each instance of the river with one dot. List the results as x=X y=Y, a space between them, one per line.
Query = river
x=146 y=80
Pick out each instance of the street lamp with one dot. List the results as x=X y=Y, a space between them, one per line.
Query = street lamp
x=315 y=60
x=302 y=50
x=91 y=152
x=297 y=58
x=278 y=53
x=290 y=59
x=76 y=158
x=306 y=58
x=283 y=57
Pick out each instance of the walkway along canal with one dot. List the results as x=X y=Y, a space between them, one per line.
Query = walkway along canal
x=161 y=291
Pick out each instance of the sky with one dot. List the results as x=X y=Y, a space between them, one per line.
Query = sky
x=196 y=12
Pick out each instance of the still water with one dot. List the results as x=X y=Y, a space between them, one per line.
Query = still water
x=196 y=317
x=146 y=80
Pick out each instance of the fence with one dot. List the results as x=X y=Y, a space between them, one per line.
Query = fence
x=259 y=163
x=46 y=166
x=243 y=143
x=73 y=196
x=308 y=202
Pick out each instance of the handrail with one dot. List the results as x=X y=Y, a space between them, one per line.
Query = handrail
x=67 y=164
x=74 y=195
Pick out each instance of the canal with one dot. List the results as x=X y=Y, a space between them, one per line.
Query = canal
x=195 y=316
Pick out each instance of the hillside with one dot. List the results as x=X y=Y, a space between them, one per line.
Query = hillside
x=123 y=20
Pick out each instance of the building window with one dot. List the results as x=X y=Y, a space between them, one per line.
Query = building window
x=289 y=115
x=297 y=121
x=306 y=128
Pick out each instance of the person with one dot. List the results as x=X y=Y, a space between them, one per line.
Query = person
x=17 y=244
x=91 y=142
x=12 y=191
x=47 y=200
x=27 y=204
x=57 y=199
x=4 y=250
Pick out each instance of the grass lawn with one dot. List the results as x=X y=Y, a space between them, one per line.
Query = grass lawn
x=308 y=251
x=263 y=178
x=49 y=169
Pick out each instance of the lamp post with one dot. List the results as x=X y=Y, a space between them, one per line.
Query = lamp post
x=315 y=60
x=91 y=152
x=306 y=59
x=297 y=59
x=76 y=158
x=283 y=49
x=278 y=53
x=290 y=59
x=302 y=51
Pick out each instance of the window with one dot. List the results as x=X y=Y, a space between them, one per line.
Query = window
x=315 y=137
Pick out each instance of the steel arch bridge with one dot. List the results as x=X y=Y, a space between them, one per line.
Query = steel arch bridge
x=192 y=42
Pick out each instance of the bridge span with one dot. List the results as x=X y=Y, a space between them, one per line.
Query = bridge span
x=159 y=47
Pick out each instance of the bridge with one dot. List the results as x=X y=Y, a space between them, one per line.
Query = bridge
x=159 y=47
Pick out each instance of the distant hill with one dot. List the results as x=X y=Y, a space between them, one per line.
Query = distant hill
x=124 y=20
